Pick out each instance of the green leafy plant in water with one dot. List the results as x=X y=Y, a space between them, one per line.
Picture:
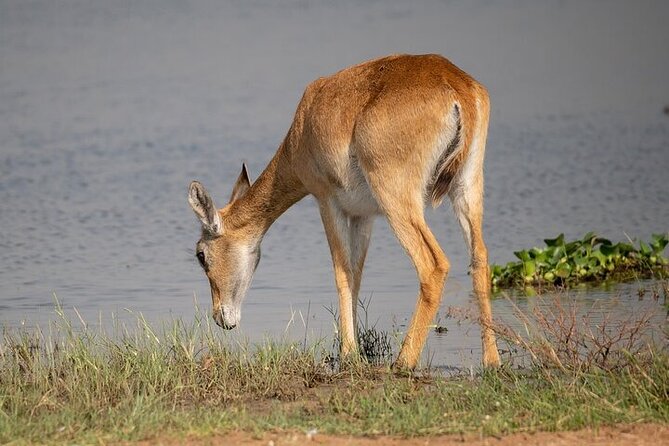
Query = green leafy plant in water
x=592 y=259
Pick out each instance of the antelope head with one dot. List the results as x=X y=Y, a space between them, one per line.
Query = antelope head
x=226 y=254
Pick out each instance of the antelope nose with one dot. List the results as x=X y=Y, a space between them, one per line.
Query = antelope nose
x=220 y=321
x=218 y=318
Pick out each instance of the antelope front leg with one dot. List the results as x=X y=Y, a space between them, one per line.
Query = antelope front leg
x=360 y=230
x=337 y=230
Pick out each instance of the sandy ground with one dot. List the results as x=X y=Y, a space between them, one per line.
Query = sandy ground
x=641 y=434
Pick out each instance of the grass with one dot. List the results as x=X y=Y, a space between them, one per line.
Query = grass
x=562 y=332
x=65 y=385
x=504 y=401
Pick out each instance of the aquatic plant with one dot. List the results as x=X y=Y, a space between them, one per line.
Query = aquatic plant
x=592 y=259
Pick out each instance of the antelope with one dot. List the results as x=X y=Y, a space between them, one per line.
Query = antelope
x=385 y=137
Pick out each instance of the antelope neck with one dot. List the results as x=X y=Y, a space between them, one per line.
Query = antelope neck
x=276 y=189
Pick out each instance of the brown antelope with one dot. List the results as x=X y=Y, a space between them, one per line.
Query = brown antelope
x=384 y=137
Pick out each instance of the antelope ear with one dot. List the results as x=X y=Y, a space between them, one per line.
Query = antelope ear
x=204 y=208
x=241 y=185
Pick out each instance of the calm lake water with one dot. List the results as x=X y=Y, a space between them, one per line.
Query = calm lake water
x=109 y=109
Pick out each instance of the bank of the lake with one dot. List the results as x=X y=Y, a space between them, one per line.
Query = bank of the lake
x=71 y=384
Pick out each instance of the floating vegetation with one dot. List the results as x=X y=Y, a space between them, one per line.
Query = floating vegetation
x=592 y=259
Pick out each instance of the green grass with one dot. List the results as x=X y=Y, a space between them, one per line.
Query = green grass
x=592 y=259
x=503 y=401
x=63 y=385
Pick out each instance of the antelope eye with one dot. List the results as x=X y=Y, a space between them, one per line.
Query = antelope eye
x=200 y=258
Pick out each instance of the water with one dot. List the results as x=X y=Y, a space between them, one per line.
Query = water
x=109 y=109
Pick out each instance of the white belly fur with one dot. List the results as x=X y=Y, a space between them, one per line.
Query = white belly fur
x=357 y=201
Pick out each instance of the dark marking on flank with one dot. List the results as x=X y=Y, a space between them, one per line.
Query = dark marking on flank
x=442 y=177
